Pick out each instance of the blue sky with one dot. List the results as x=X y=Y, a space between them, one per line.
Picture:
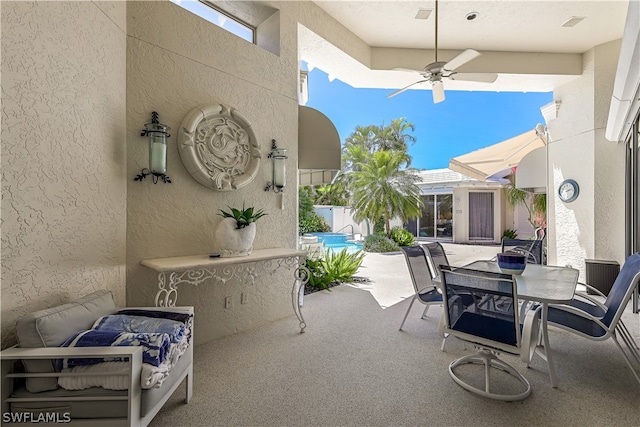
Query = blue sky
x=464 y=122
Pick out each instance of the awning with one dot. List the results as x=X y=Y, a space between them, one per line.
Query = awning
x=496 y=161
x=315 y=177
x=319 y=147
x=531 y=174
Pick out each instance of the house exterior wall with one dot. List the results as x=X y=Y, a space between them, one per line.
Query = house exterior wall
x=521 y=222
x=593 y=225
x=79 y=80
x=63 y=154
x=609 y=185
x=176 y=61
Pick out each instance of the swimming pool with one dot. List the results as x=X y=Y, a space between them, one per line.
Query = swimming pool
x=337 y=241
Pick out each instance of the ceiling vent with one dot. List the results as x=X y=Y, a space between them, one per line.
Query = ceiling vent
x=423 y=13
x=573 y=21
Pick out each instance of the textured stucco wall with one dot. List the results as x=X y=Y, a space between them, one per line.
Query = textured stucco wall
x=175 y=62
x=593 y=225
x=609 y=185
x=63 y=154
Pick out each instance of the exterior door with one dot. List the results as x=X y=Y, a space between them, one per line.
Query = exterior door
x=633 y=199
x=436 y=221
x=481 y=216
x=444 y=216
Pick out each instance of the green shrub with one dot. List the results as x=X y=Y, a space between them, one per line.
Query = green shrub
x=342 y=265
x=378 y=226
x=312 y=224
x=401 y=236
x=509 y=234
x=334 y=267
x=379 y=243
x=318 y=277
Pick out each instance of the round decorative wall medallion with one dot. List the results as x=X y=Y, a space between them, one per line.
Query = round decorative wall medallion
x=218 y=147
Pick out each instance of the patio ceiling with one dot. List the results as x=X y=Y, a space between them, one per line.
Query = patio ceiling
x=523 y=41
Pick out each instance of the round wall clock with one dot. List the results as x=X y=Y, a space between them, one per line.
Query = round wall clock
x=568 y=190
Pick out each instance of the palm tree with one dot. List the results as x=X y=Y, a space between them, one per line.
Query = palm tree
x=536 y=204
x=381 y=190
x=395 y=137
x=334 y=194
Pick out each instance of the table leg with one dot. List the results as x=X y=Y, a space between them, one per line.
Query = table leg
x=301 y=277
x=166 y=296
x=547 y=354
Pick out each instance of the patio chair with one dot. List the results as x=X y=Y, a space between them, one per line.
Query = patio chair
x=425 y=290
x=597 y=308
x=312 y=245
x=601 y=322
x=490 y=321
x=435 y=258
x=531 y=248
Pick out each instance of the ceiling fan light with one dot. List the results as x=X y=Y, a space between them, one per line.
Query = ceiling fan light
x=438 y=91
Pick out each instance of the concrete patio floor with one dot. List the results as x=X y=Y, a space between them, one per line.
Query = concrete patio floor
x=389 y=281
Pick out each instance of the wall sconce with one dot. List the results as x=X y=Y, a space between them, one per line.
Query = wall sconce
x=278 y=157
x=157 y=135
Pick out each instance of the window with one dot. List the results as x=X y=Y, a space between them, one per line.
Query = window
x=222 y=19
x=436 y=220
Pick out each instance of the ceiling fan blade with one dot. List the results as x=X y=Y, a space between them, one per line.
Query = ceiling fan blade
x=399 y=91
x=461 y=59
x=438 y=91
x=475 y=77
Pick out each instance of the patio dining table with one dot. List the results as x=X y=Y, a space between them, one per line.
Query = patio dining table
x=544 y=284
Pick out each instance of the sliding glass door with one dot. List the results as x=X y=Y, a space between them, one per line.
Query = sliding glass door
x=633 y=197
x=436 y=221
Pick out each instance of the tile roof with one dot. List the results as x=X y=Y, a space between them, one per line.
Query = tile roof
x=448 y=176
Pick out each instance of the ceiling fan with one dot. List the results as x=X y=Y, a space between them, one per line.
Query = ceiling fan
x=436 y=71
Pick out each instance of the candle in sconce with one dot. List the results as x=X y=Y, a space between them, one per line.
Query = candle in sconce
x=158 y=155
x=279 y=172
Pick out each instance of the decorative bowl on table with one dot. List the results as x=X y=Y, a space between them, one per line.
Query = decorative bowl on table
x=512 y=263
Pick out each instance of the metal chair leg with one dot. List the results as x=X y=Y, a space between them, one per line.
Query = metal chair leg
x=626 y=358
x=424 y=313
x=408 y=310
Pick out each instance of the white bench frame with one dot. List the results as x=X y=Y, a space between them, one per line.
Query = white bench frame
x=134 y=392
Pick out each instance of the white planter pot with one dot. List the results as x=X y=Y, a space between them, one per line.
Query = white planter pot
x=234 y=241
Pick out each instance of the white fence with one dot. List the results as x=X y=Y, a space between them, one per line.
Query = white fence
x=340 y=220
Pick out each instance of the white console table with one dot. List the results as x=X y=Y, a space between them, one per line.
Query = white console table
x=196 y=269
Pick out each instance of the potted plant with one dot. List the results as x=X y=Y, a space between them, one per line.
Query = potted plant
x=237 y=230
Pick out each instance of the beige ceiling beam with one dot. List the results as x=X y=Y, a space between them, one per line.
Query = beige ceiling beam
x=569 y=64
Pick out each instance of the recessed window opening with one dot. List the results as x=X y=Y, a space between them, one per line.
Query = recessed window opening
x=220 y=18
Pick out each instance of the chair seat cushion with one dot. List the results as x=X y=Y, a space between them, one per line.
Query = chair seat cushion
x=592 y=309
x=568 y=320
x=430 y=296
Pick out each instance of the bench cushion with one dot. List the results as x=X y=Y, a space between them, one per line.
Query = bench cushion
x=52 y=326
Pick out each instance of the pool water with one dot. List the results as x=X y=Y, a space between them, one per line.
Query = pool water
x=337 y=241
